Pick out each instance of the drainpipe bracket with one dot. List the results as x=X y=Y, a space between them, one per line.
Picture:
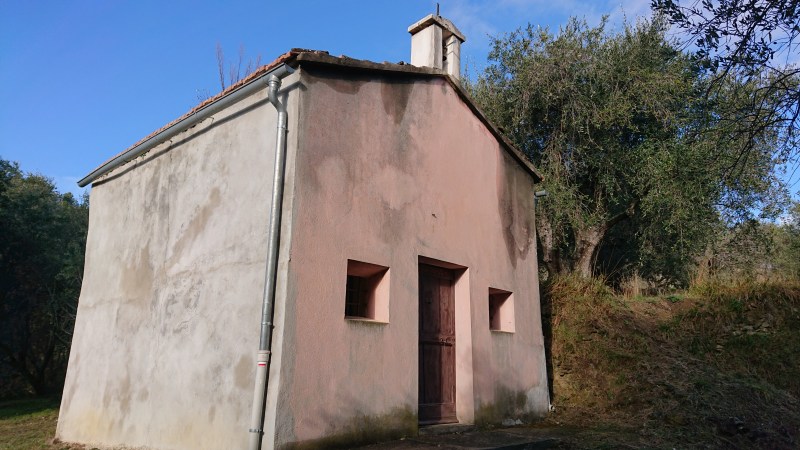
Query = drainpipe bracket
x=264 y=356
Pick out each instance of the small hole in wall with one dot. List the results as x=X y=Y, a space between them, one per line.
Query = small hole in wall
x=367 y=291
x=501 y=310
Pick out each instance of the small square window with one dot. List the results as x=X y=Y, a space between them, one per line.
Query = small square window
x=501 y=310
x=367 y=291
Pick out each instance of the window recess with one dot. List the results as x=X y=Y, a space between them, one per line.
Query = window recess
x=501 y=310
x=367 y=291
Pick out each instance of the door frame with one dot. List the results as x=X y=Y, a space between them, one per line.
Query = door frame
x=437 y=346
x=465 y=400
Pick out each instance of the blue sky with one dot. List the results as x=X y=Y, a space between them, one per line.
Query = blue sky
x=82 y=80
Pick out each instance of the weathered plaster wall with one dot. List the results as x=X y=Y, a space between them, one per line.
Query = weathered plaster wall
x=389 y=170
x=381 y=171
x=163 y=354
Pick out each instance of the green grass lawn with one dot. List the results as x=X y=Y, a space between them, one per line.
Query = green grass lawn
x=29 y=424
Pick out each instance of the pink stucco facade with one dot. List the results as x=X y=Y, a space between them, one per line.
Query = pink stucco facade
x=391 y=170
x=389 y=167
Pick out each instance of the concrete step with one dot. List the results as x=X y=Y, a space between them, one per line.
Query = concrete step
x=445 y=428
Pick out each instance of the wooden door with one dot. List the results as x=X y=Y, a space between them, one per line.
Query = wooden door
x=437 y=346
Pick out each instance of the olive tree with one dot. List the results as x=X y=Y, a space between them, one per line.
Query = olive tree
x=754 y=40
x=618 y=126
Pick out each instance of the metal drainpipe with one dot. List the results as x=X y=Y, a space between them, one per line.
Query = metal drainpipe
x=268 y=306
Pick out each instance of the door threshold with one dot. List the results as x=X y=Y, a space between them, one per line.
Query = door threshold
x=427 y=423
x=444 y=428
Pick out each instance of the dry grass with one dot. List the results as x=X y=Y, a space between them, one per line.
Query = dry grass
x=716 y=367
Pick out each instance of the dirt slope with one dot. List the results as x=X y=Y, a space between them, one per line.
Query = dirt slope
x=718 y=367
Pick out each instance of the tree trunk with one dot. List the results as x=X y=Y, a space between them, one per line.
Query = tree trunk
x=550 y=254
x=586 y=243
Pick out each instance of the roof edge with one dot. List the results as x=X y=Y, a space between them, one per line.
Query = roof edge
x=197 y=114
x=289 y=60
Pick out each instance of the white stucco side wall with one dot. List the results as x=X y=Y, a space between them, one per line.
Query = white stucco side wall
x=163 y=354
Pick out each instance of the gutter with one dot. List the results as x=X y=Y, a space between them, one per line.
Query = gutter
x=194 y=118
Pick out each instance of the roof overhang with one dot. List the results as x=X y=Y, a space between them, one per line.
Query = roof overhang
x=244 y=88
x=283 y=65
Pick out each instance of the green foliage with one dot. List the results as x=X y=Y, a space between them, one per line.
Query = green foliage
x=633 y=153
x=41 y=266
x=675 y=298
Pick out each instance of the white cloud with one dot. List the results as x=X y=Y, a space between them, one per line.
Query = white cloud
x=472 y=18
x=631 y=8
x=480 y=20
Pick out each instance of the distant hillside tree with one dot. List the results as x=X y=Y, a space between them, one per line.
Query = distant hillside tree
x=628 y=144
x=753 y=251
x=41 y=267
